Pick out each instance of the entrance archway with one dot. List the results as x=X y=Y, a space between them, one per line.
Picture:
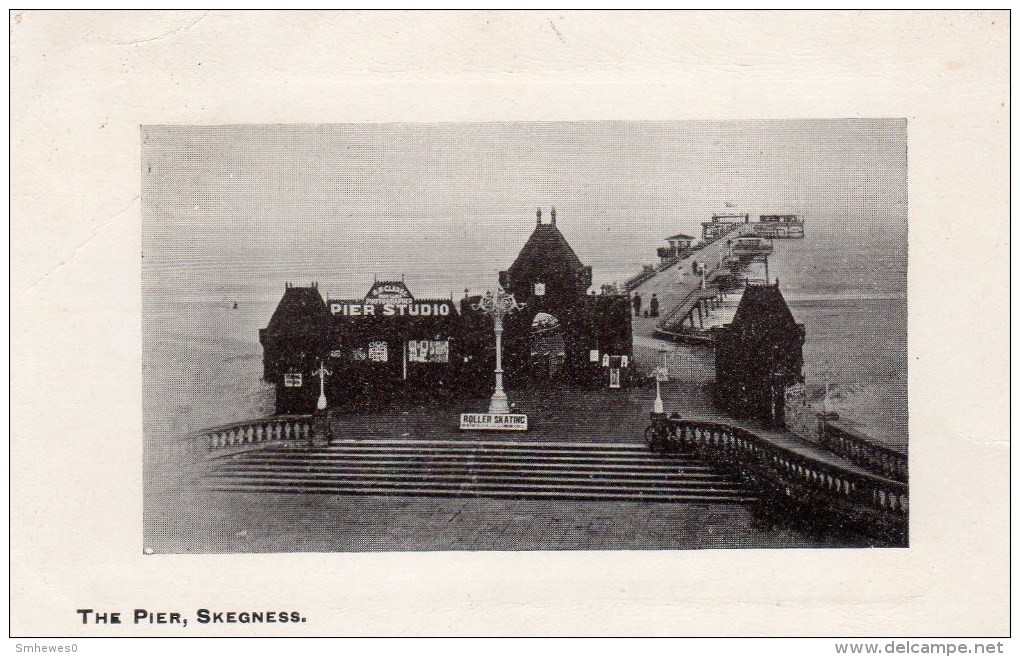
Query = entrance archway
x=548 y=348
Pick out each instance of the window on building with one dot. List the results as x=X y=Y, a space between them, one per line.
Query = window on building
x=377 y=352
x=292 y=380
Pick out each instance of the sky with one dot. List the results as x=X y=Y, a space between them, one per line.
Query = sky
x=390 y=198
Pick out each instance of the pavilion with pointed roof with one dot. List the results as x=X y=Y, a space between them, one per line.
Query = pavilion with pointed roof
x=758 y=355
x=547 y=261
x=548 y=278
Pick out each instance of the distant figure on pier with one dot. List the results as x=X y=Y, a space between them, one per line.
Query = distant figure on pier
x=653 y=305
x=637 y=305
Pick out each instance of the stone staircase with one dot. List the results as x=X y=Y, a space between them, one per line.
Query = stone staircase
x=478 y=468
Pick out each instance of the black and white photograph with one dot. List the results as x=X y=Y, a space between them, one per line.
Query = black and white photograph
x=368 y=337
x=509 y=323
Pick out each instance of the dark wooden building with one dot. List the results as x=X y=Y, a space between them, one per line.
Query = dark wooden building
x=390 y=343
x=758 y=355
x=374 y=347
x=552 y=282
x=295 y=339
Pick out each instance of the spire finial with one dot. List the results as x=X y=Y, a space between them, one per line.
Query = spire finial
x=538 y=217
x=552 y=213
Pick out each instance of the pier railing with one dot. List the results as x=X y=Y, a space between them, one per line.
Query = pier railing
x=680 y=310
x=863 y=452
x=650 y=272
x=251 y=434
x=640 y=278
x=801 y=486
x=671 y=325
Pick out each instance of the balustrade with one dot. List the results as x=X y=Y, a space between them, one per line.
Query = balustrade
x=254 y=432
x=789 y=471
x=865 y=453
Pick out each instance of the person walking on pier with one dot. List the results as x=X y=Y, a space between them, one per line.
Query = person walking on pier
x=653 y=305
x=637 y=304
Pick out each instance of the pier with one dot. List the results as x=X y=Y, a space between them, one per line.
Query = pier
x=686 y=295
x=687 y=292
x=598 y=429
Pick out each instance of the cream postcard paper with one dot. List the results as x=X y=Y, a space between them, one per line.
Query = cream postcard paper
x=177 y=176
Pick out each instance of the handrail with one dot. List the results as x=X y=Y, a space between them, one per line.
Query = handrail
x=865 y=453
x=872 y=503
x=249 y=433
x=668 y=317
x=638 y=279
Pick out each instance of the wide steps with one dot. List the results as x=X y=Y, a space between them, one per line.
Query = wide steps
x=468 y=468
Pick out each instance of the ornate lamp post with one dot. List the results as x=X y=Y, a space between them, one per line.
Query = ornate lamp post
x=498 y=305
x=323 y=373
x=660 y=375
x=321 y=430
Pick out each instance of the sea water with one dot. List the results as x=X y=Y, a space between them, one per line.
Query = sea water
x=846 y=281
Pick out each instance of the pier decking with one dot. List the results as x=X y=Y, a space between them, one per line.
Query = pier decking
x=679 y=291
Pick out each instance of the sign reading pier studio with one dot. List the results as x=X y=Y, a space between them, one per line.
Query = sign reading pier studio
x=493 y=421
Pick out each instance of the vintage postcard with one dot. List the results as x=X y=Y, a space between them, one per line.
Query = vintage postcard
x=358 y=337
x=386 y=335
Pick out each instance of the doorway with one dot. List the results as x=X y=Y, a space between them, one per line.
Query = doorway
x=548 y=349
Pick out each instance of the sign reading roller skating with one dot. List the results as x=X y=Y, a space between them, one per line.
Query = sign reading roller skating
x=494 y=421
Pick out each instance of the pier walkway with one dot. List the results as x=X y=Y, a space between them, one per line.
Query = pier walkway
x=678 y=290
x=677 y=287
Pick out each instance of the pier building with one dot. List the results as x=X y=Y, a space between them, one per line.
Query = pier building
x=758 y=356
x=679 y=247
x=390 y=342
x=371 y=346
x=721 y=224
x=779 y=226
x=551 y=281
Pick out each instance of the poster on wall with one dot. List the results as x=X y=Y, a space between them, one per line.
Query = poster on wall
x=428 y=351
x=377 y=352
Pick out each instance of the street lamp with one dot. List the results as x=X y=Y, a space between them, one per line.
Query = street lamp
x=660 y=375
x=323 y=373
x=321 y=431
x=497 y=306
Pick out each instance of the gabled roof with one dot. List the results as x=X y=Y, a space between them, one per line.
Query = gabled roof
x=763 y=307
x=680 y=236
x=301 y=308
x=546 y=250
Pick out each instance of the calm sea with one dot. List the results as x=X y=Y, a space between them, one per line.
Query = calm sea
x=845 y=281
